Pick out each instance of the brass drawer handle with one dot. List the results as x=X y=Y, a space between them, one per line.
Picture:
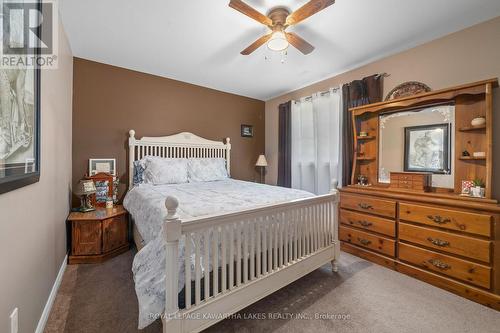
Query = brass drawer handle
x=363 y=205
x=438 y=242
x=438 y=219
x=439 y=264
x=364 y=241
x=365 y=223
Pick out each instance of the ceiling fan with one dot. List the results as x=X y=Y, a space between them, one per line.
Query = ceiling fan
x=278 y=20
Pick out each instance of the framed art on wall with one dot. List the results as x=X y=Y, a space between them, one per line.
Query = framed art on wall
x=427 y=149
x=247 y=131
x=19 y=114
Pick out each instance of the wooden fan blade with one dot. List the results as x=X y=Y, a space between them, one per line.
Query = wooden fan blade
x=250 y=12
x=255 y=45
x=310 y=8
x=299 y=43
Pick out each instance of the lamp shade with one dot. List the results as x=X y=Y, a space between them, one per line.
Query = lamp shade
x=85 y=187
x=261 y=161
x=278 y=41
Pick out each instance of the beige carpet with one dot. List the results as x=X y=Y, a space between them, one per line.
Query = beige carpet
x=362 y=297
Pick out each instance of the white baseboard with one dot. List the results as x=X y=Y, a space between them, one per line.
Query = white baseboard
x=52 y=296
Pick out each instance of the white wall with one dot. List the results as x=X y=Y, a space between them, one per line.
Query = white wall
x=32 y=218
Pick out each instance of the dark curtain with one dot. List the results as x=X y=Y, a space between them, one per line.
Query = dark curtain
x=285 y=145
x=359 y=92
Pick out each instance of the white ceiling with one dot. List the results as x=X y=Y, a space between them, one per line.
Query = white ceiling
x=199 y=41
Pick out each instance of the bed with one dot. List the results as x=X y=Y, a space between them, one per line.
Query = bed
x=209 y=249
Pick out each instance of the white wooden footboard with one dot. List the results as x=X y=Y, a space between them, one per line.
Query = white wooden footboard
x=257 y=251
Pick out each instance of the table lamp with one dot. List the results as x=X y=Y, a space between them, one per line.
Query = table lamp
x=262 y=164
x=84 y=189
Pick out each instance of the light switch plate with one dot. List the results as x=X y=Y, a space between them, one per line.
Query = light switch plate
x=14 y=324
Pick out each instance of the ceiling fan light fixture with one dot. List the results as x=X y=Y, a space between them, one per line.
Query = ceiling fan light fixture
x=278 y=41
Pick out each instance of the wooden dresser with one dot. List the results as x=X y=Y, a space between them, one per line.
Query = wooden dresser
x=98 y=235
x=451 y=243
x=437 y=236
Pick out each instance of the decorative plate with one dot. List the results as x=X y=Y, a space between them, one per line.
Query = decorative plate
x=407 y=89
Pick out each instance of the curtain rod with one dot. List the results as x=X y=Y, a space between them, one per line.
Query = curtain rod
x=385 y=74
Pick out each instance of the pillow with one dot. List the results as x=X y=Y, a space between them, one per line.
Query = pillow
x=138 y=173
x=206 y=169
x=159 y=171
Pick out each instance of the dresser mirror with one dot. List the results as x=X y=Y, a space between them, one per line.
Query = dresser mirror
x=418 y=140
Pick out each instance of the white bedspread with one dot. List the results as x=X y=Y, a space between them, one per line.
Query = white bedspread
x=146 y=204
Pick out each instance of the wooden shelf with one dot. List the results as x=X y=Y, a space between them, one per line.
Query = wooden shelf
x=472 y=128
x=366 y=138
x=472 y=158
x=365 y=158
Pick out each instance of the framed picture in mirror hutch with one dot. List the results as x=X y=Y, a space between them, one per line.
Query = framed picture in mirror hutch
x=426 y=148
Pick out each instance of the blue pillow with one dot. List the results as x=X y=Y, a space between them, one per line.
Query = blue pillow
x=138 y=173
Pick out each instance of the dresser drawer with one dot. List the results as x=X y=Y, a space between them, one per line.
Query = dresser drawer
x=368 y=222
x=479 y=224
x=464 y=270
x=376 y=243
x=370 y=205
x=399 y=177
x=461 y=245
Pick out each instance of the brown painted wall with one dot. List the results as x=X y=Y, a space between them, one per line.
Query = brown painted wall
x=466 y=56
x=109 y=101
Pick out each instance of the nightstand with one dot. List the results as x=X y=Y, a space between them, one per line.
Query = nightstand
x=98 y=235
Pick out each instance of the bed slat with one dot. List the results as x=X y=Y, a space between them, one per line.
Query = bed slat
x=231 y=256
x=245 y=251
x=252 y=248
x=206 y=263
x=197 y=287
x=215 y=261
x=187 y=270
x=238 y=254
x=258 y=247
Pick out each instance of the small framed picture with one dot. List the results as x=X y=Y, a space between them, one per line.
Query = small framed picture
x=102 y=165
x=247 y=131
x=104 y=188
x=427 y=148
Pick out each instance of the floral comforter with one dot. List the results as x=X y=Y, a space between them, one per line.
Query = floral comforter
x=146 y=204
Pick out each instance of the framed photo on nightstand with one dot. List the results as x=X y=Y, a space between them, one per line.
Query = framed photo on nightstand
x=102 y=165
x=104 y=188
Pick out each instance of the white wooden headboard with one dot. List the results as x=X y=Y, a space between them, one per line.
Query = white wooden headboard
x=182 y=145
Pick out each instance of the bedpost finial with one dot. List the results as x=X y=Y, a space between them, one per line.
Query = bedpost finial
x=228 y=140
x=131 y=133
x=334 y=184
x=171 y=203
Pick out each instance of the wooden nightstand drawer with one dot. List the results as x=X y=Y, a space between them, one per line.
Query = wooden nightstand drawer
x=479 y=224
x=368 y=222
x=370 y=241
x=444 y=241
x=370 y=205
x=457 y=268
